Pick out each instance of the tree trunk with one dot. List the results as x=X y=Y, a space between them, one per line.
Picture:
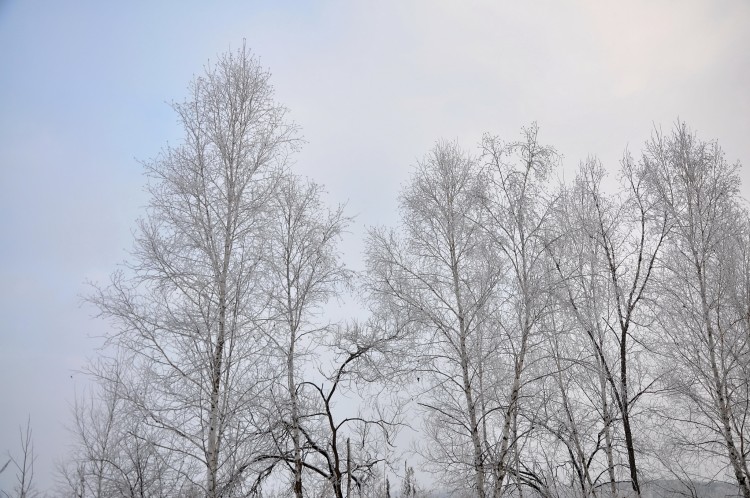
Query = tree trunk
x=509 y=415
x=464 y=358
x=607 y=429
x=625 y=404
x=214 y=441
x=213 y=424
x=295 y=422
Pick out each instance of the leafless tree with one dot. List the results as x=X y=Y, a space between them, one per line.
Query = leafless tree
x=584 y=347
x=23 y=464
x=186 y=305
x=349 y=444
x=341 y=446
x=115 y=454
x=469 y=272
x=518 y=207
x=608 y=283
x=303 y=272
x=704 y=307
x=439 y=276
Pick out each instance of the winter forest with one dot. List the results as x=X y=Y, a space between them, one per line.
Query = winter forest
x=536 y=337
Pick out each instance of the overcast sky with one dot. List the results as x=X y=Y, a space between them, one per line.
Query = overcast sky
x=84 y=88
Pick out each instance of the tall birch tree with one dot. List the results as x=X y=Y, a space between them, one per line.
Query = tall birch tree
x=186 y=304
x=438 y=275
x=304 y=272
x=518 y=210
x=704 y=307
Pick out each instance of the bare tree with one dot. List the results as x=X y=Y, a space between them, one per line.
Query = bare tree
x=470 y=275
x=23 y=464
x=586 y=350
x=440 y=276
x=628 y=232
x=304 y=272
x=362 y=353
x=341 y=446
x=704 y=308
x=186 y=305
x=518 y=208
x=115 y=454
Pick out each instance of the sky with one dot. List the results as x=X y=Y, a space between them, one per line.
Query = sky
x=84 y=98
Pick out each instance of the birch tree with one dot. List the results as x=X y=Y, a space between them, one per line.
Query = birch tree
x=439 y=275
x=518 y=208
x=186 y=304
x=704 y=308
x=304 y=272
x=114 y=453
x=628 y=231
x=585 y=353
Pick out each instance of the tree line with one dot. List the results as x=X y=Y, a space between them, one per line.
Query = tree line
x=545 y=338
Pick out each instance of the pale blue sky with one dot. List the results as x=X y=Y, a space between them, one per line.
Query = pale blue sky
x=83 y=87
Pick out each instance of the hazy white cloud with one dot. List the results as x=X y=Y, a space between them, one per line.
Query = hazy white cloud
x=649 y=46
